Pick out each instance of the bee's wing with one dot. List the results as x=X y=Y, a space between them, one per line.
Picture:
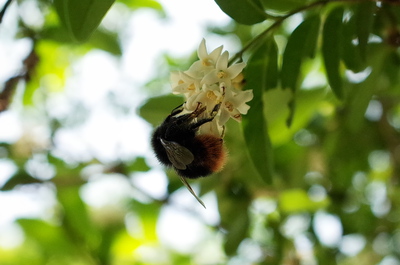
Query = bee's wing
x=179 y=155
x=191 y=191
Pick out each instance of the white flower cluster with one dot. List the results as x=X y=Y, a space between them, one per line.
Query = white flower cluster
x=210 y=81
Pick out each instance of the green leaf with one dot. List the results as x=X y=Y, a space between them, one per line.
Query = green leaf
x=20 y=178
x=239 y=230
x=51 y=238
x=233 y=203
x=100 y=39
x=246 y=12
x=297 y=200
x=332 y=48
x=254 y=124
x=148 y=214
x=360 y=94
x=351 y=54
x=76 y=218
x=139 y=165
x=156 y=109
x=301 y=44
x=364 y=21
x=284 y=5
x=106 y=41
x=81 y=17
x=135 y=4
x=308 y=101
x=271 y=74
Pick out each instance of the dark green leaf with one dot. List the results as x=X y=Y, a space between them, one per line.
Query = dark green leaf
x=20 y=178
x=283 y=5
x=254 y=123
x=360 y=94
x=155 y=110
x=271 y=74
x=364 y=21
x=351 y=55
x=331 y=49
x=301 y=43
x=81 y=17
x=239 y=227
x=233 y=206
x=246 y=12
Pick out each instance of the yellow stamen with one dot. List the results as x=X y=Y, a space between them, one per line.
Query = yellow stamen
x=211 y=95
x=206 y=62
x=191 y=87
x=222 y=74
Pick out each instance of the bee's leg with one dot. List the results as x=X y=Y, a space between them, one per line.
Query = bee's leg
x=223 y=131
x=199 y=110
x=213 y=113
x=215 y=110
x=189 y=117
x=177 y=110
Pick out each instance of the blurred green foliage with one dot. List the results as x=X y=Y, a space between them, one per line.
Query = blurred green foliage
x=322 y=138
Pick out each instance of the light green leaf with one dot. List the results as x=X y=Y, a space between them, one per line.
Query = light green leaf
x=51 y=238
x=277 y=110
x=332 y=50
x=156 y=109
x=138 y=165
x=81 y=17
x=297 y=200
x=246 y=12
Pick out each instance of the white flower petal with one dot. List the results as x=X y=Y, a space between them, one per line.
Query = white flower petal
x=235 y=70
x=202 y=50
x=210 y=78
x=243 y=109
x=214 y=55
x=222 y=63
x=224 y=116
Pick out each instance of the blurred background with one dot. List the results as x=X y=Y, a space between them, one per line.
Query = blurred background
x=79 y=183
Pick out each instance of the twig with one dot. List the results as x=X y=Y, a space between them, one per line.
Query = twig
x=29 y=63
x=3 y=11
x=279 y=21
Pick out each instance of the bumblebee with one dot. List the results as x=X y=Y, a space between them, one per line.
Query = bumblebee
x=178 y=144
